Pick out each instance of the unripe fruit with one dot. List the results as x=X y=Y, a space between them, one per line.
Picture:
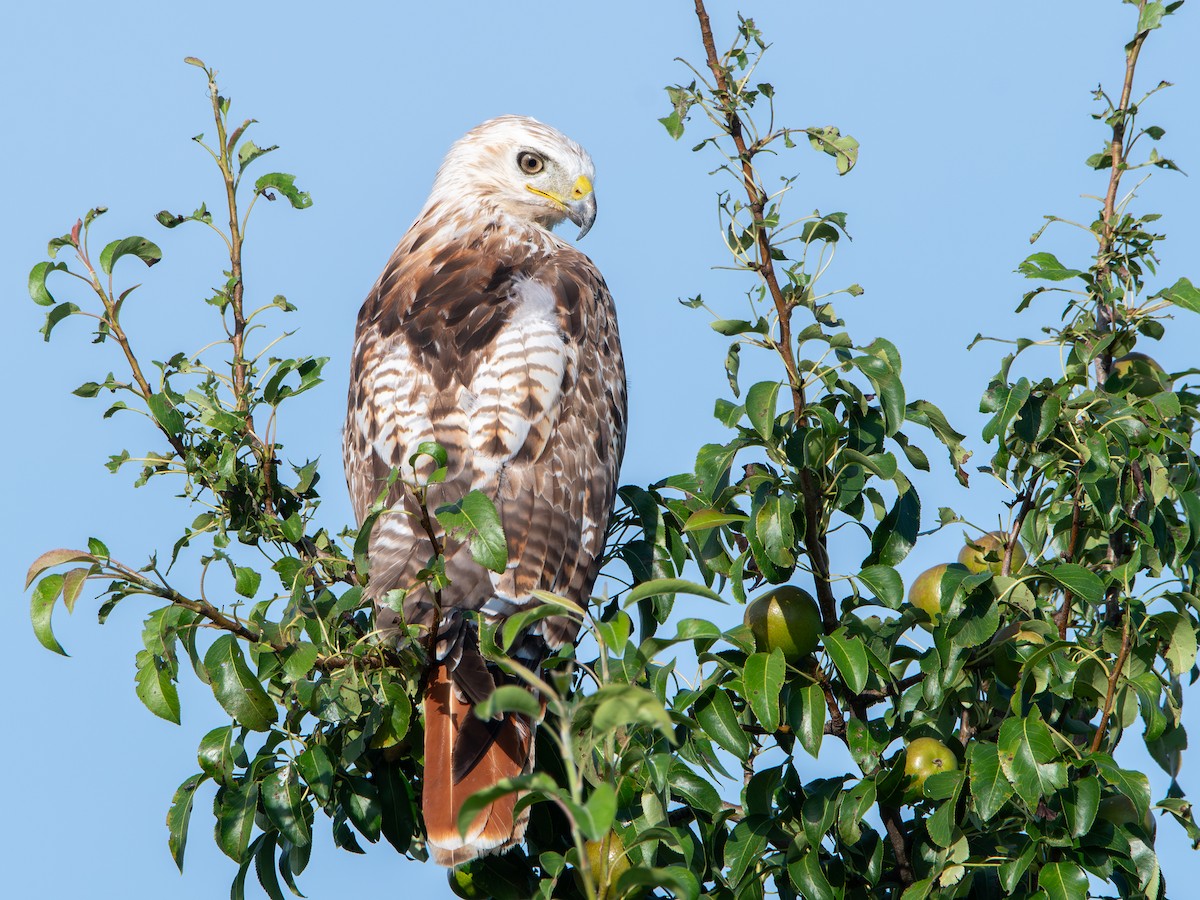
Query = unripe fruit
x=786 y=618
x=1141 y=374
x=928 y=756
x=608 y=863
x=926 y=592
x=993 y=543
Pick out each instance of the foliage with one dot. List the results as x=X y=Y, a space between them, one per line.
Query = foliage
x=707 y=784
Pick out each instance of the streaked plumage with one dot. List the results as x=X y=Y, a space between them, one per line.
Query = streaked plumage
x=492 y=337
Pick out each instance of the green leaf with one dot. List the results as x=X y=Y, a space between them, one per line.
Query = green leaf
x=745 y=846
x=234 y=811
x=989 y=787
x=264 y=866
x=475 y=517
x=179 y=815
x=317 y=770
x=807 y=874
x=679 y=880
x=1182 y=293
x=925 y=413
x=1029 y=759
x=601 y=808
x=286 y=185
x=41 y=609
x=1007 y=401
x=155 y=688
x=885 y=583
x=659 y=586
x=235 y=687
x=509 y=698
x=37 y=282
x=286 y=806
x=760 y=407
x=55 y=316
x=674 y=124
x=703 y=519
x=300 y=660
x=715 y=714
x=626 y=704
x=1063 y=881
x=695 y=791
x=246 y=581
x=849 y=655
x=165 y=413
x=806 y=716
x=1046 y=267
x=360 y=800
x=218 y=755
x=763 y=679
x=897 y=533
x=249 y=152
x=1083 y=583
x=147 y=251
x=396 y=803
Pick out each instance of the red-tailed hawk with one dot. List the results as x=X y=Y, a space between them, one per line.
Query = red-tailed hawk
x=494 y=338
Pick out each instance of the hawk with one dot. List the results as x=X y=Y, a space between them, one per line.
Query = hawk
x=494 y=338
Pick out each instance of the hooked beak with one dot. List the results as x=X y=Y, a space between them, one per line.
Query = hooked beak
x=582 y=212
x=580 y=207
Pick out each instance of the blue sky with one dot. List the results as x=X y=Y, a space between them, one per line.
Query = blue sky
x=973 y=122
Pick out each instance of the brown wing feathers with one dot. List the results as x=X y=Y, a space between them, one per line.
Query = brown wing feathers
x=460 y=345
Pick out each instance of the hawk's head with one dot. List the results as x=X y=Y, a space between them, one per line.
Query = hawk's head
x=530 y=170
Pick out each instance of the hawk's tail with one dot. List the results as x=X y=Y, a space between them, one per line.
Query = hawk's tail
x=463 y=755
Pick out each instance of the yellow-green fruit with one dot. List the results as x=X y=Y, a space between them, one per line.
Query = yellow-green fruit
x=786 y=618
x=1119 y=810
x=974 y=554
x=1140 y=373
x=608 y=863
x=926 y=592
x=928 y=756
x=462 y=883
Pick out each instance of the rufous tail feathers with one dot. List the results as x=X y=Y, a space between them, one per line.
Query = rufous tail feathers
x=464 y=755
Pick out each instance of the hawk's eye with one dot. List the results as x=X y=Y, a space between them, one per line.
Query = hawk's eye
x=530 y=163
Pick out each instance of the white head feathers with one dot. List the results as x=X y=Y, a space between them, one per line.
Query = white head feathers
x=519 y=166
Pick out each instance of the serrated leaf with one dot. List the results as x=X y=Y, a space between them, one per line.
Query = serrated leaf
x=989 y=787
x=763 y=679
x=1028 y=758
x=1083 y=583
x=179 y=815
x=235 y=687
x=761 y=400
x=37 y=282
x=885 y=583
x=1047 y=267
x=147 y=251
x=509 y=698
x=41 y=610
x=286 y=805
x=286 y=185
x=659 y=586
x=234 y=809
x=703 y=519
x=1063 y=881
x=849 y=655
x=715 y=714
x=155 y=688
x=475 y=518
